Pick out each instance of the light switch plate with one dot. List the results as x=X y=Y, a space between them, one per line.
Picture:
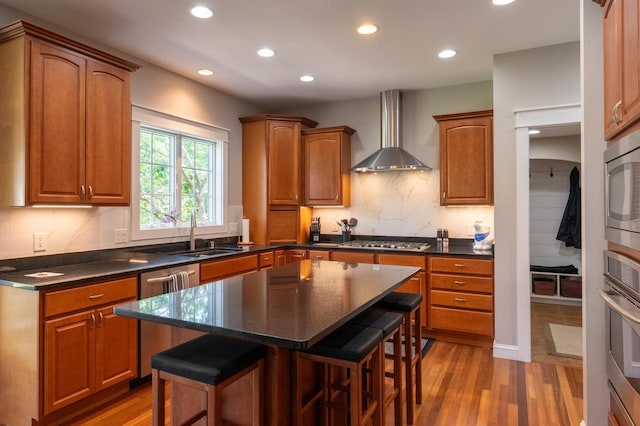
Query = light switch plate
x=39 y=241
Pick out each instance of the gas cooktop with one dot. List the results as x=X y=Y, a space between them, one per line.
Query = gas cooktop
x=387 y=245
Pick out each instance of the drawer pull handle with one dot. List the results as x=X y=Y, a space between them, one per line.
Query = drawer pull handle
x=163 y=279
x=266 y=259
x=459 y=299
x=101 y=318
x=93 y=321
x=319 y=256
x=459 y=265
x=460 y=282
x=96 y=296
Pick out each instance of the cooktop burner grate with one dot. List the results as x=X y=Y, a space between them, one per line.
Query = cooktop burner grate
x=387 y=245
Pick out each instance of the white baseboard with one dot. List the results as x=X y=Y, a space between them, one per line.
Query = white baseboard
x=506 y=351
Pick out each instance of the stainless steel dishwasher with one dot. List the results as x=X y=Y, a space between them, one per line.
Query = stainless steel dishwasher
x=157 y=337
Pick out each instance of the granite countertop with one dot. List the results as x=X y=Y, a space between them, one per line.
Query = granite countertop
x=292 y=306
x=77 y=268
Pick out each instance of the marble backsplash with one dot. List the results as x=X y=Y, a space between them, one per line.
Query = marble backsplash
x=402 y=204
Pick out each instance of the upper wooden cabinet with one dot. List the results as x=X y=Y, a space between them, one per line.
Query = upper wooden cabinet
x=466 y=158
x=272 y=178
x=621 y=66
x=68 y=120
x=327 y=160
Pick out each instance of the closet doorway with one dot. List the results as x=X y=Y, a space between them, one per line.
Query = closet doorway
x=555 y=277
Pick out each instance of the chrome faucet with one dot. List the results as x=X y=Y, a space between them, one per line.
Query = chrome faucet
x=192 y=236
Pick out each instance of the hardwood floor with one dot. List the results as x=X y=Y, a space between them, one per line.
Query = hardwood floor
x=462 y=385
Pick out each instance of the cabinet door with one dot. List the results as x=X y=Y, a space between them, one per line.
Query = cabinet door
x=613 y=77
x=319 y=254
x=418 y=285
x=219 y=269
x=296 y=255
x=108 y=149
x=57 y=125
x=466 y=161
x=69 y=359
x=283 y=226
x=280 y=257
x=284 y=162
x=116 y=348
x=323 y=172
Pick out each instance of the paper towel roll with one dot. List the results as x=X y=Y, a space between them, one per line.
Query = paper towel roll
x=245 y=230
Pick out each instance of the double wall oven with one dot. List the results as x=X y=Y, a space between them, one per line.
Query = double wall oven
x=621 y=294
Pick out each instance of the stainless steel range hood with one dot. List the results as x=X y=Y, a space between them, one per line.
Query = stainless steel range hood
x=390 y=157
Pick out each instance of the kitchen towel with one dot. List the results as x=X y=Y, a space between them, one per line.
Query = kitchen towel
x=176 y=281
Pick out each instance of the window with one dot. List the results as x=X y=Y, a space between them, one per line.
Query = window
x=178 y=169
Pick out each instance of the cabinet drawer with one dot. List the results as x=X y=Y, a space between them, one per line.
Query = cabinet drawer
x=461 y=265
x=462 y=283
x=265 y=259
x=458 y=320
x=352 y=256
x=220 y=269
x=59 y=302
x=319 y=254
x=454 y=299
x=403 y=260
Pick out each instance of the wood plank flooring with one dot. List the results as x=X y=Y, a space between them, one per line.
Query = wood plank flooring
x=462 y=385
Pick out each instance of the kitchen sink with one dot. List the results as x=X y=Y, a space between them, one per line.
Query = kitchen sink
x=208 y=251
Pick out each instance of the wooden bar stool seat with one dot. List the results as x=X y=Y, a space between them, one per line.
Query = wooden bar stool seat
x=354 y=350
x=209 y=363
x=389 y=323
x=408 y=304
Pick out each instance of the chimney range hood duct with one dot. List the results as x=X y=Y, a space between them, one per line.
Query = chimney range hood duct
x=390 y=157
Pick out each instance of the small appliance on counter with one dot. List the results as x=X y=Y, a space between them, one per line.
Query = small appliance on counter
x=314 y=234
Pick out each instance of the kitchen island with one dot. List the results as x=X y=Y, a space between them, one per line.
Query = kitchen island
x=290 y=307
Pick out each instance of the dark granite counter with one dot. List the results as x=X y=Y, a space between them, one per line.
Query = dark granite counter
x=292 y=306
x=77 y=268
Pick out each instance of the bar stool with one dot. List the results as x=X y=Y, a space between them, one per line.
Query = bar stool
x=408 y=304
x=209 y=363
x=389 y=323
x=355 y=349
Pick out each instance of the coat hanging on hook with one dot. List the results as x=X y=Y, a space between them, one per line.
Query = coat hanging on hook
x=551 y=173
x=569 y=230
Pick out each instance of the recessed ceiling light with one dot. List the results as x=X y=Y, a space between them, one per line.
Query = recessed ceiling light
x=201 y=12
x=502 y=2
x=367 y=29
x=307 y=78
x=447 y=53
x=266 y=52
x=534 y=132
x=205 y=72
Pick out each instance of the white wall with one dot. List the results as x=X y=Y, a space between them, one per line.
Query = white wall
x=72 y=230
x=596 y=402
x=548 y=198
x=531 y=78
x=402 y=203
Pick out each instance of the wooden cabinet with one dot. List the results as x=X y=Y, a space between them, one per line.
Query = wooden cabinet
x=327 y=161
x=461 y=299
x=318 y=254
x=86 y=347
x=76 y=134
x=296 y=255
x=272 y=178
x=266 y=260
x=220 y=269
x=353 y=256
x=621 y=38
x=417 y=284
x=466 y=158
x=280 y=257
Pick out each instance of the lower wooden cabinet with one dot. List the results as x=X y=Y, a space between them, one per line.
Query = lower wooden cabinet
x=295 y=255
x=86 y=347
x=461 y=304
x=318 y=254
x=417 y=283
x=220 y=269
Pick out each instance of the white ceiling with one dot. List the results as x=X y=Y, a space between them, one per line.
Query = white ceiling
x=318 y=38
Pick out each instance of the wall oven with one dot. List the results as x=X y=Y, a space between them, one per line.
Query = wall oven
x=621 y=294
x=622 y=191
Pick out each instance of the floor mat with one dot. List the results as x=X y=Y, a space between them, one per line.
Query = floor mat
x=563 y=340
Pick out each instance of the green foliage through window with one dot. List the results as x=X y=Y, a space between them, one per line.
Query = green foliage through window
x=176 y=178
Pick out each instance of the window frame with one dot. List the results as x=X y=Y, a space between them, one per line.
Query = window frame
x=185 y=128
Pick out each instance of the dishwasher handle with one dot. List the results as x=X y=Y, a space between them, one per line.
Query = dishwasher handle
x=163 y=279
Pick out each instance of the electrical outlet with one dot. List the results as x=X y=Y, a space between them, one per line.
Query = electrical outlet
x=233 y=228
x=121 y=236
x=39 y=241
